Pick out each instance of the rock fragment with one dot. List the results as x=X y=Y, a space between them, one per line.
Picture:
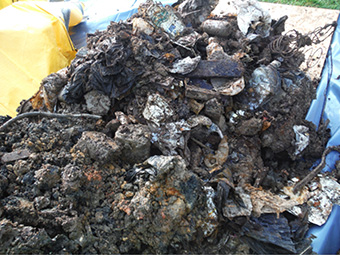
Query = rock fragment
x=170 y=205
x=15 y=155
x=134 y=142
x=98 y=146
x=97 y=103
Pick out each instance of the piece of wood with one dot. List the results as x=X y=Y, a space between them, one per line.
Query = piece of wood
x=195 y=92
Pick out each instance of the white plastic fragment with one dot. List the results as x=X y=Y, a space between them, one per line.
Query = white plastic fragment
x=186 y=65
x=170 y=136
x=320 y=208
x=264 y=201
x=211 y=221
x=233 y=88
x=301 y=137
x=331 y=188
x=235 y=115
x=252 y=15
x=141 y=25
x=157 y=109
x=322 y=195
x=233 y=209
x=265 y=82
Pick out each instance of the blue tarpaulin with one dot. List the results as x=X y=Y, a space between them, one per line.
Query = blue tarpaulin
x=326 y=105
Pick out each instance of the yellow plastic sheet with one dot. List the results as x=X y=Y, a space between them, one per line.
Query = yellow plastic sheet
x=33 y=44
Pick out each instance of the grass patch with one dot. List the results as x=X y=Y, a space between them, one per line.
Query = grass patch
x=328 y=4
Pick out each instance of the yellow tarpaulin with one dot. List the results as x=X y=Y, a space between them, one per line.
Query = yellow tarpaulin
x=5 y=3
x=33 y=44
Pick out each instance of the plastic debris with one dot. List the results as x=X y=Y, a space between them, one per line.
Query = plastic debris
x=194 y=12
x=157 y=109
x=301 y=137
x=321 y=196
x=217 y=68
x=240 y=207
x=186 y=65
x=170 y=137
x=140 y=25
x=265 y=82
x=212 y=221
x=269 y=234
x=252 y=19
x=165 y=18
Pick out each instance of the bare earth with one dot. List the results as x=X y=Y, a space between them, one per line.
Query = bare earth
x=305 y=20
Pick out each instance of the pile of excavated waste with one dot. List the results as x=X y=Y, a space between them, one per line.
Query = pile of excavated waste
x=175 y=131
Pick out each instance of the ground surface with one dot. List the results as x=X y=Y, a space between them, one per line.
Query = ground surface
x=305 y=20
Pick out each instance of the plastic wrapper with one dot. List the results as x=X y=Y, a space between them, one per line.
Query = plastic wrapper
x=211 y=222
x=321 y=197
x=140 y=25
x=186 y=65
x=265 y=83
x=165 y=18
x=301 y=137
x=170 y=137
x=253 y=19
x=194 y=12
x=157 y=109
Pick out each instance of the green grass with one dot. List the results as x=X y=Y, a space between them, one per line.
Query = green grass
x=328 y=4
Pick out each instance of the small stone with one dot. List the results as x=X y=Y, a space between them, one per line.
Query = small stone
x=41 y=202
x=99 y=217
x=213 y=109
x=15 y=155
x=134 y=140
x=97 y=103
x=128 y=186
x=129 y=194
x=98 y=146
